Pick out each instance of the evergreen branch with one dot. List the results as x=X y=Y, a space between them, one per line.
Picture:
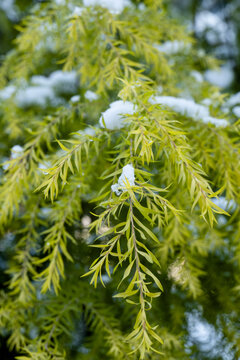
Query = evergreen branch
x=56 y=240
x=102 y=321
x=22 y=170
x=61 y=168
x=20 y=283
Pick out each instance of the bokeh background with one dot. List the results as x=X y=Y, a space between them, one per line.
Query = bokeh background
x=215 y=25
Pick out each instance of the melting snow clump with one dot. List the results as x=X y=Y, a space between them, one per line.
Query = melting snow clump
x=126 y=179
x=114 y=116
x=182 y=106
x=188 y=108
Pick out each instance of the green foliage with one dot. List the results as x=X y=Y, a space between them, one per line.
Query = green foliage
x=153 y=250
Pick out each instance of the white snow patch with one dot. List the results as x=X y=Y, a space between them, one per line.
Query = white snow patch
x=234 y=100
x=16 y=151
x=60 y=2
x=197 y=76
x=91 y=96
x=7 y=92
x=213 y=28
x=62 y=82
x=222 y=77
x=75 y=98
x=77 y=11
x=89 y=131
x=114 y=6
x=215 y=121
x=46 y=91
x=9 y=7
x=236 y=111
x=35 y=96
x=113 y=117
x=40 y=80
x=173 y=47
x=188 y=108
x=45 y=212
x=207 y=102
x=182 y=106
x=142 y=7
x=201 y=332
x=44 y=167
x=126 y=179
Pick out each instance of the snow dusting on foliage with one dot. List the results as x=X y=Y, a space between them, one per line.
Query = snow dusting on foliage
x=126 y=179
x=188 y=108
x=44 y=91
x=113 y=118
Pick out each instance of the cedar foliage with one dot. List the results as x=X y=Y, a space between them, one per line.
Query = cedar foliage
x=166 y=246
